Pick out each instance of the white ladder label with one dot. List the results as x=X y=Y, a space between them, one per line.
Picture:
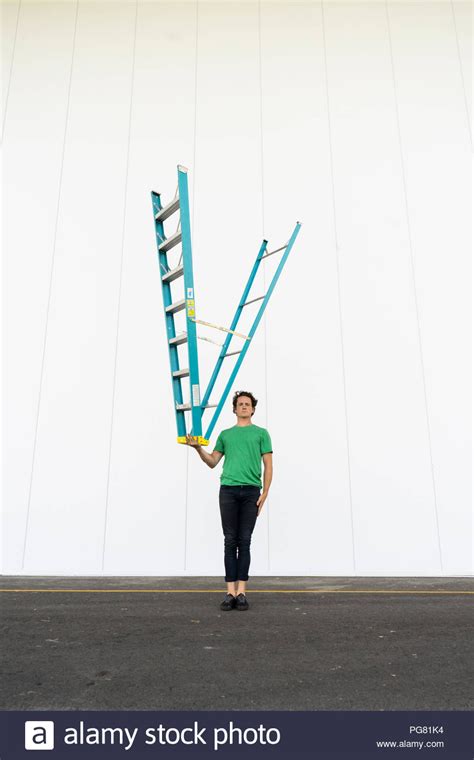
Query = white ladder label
x=196 y=395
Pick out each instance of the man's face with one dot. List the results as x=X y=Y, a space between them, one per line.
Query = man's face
x=243 y=407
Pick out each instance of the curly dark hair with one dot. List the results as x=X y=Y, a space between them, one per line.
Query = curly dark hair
x=249 y=395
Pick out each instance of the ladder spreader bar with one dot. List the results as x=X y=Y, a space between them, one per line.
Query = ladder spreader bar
x=218 y=327
x=187 y=407
x=209 y=340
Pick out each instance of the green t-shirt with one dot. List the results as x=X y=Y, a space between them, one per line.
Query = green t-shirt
x=243 y=447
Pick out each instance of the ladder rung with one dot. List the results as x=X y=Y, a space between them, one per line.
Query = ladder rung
x=187 y=407
x=170 y=242
x=173 y=274
x=166 y=211
x=181 y=372
x=260 y=298
x=176 y=306
x=231 y=353
x=178 y=340
x=277 y=250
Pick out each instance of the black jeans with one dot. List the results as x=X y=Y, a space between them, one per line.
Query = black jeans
x=238 y=505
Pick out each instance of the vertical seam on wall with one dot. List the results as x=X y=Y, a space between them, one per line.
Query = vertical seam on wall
x=50 y=288
x=196 y=40
x=461 y=72
x=413 y=277
x=124 y=215
x=11 y=69
x=262 y=174
x=338 y=288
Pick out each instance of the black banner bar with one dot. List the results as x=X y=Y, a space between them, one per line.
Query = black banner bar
x=331 y=735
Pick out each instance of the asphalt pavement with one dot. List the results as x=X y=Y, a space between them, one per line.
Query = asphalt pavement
x=96 y=643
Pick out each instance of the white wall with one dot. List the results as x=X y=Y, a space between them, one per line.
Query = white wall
x=353 y=118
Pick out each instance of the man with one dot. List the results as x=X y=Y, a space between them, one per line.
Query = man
x=243 y=446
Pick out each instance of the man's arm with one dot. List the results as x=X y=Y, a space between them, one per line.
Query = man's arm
x=267 y=479
x=210 y=459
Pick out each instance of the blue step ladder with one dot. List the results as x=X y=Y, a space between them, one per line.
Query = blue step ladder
x=184 y=269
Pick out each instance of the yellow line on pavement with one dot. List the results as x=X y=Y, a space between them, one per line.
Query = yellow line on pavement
x=220 y=591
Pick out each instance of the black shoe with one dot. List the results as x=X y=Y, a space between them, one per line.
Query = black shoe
x=241 y=602
x=228 y=603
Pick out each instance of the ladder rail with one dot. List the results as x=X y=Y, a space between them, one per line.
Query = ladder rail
x=252 y=330
x=169 y=320
x=193 y=365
